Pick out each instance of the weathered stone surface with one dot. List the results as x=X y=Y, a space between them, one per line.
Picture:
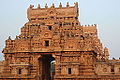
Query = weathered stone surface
x=53 y=45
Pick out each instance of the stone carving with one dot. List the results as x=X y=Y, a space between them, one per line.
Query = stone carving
x=53 y=45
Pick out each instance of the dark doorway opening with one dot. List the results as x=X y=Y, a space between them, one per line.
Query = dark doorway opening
x=47 y=67
x=20 y=71
x=50 y=27
x=69 y=71
x=46 y=43
x=112 y=69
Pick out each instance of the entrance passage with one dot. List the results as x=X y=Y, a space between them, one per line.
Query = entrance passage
x=47 y=63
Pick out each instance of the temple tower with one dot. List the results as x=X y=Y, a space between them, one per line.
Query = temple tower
x=53 y=45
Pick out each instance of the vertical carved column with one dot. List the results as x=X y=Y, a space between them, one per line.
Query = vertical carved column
x=39 y=64
x=6 y=71
x=87 y=67
x=57 y=64
x=36 y=64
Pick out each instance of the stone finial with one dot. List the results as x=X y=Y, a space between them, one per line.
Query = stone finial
x=113 y=58
x=95 y=24
x=60 y=5
x=38 y=6
x=76 y=4
x=9 y=38
x=31 y=6
x=53 y=6
x=67 y=4
x=46 y=6
x=16 y=37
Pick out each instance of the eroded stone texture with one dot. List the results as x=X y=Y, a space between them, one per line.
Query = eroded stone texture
x=53 y=45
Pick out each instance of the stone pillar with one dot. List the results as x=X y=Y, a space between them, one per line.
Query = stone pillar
x=88 y=62
x=57 y=64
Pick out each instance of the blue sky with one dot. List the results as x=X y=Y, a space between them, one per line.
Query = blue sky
x=104 y=13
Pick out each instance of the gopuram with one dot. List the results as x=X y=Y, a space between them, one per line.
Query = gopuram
x=53 y=45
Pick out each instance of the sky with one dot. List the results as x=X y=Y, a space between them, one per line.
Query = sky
x=104 y=13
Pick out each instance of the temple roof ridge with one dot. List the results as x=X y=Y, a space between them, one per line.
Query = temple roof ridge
x=89 y=25
x=53 y=6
